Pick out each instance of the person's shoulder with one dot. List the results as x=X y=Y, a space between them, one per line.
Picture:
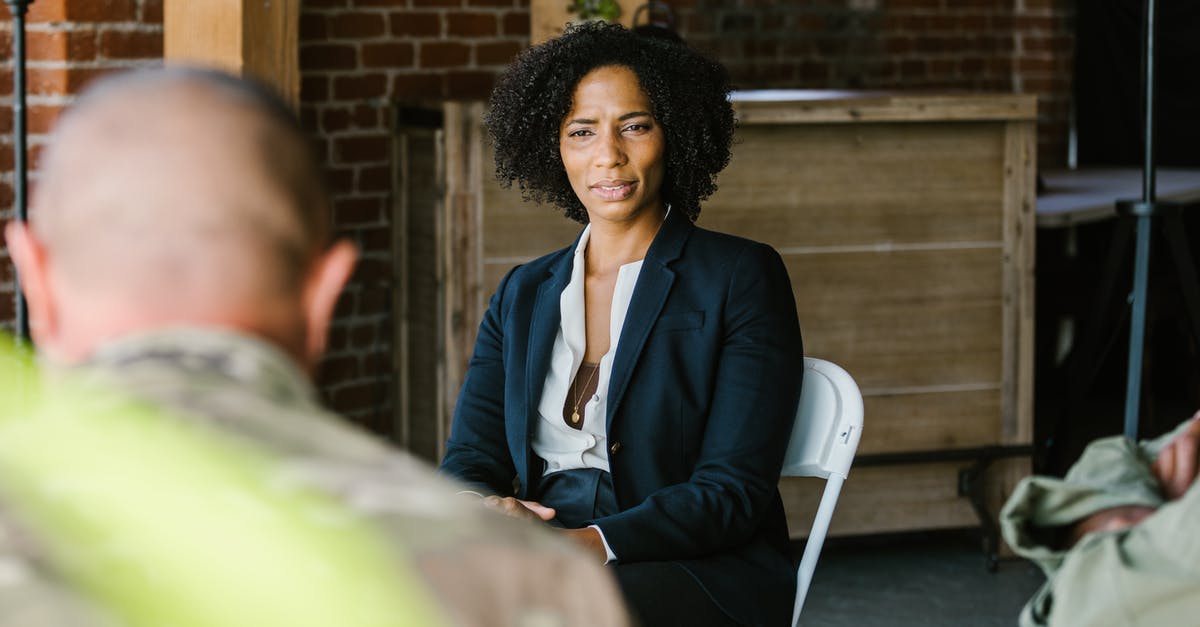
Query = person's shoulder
x=536 y=270
x=727 y=247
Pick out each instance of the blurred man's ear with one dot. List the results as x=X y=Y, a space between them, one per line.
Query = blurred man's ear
x=326 y=278
x=29 y=255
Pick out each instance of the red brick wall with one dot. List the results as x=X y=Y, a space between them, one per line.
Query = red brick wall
x=359 y=57
x=68 y=43
x=983 y=45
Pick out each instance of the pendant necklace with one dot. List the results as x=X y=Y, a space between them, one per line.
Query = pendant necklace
x=575 y=418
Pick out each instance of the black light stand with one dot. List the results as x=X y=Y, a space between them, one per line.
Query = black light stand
x=1144 y=211
x=18 y=9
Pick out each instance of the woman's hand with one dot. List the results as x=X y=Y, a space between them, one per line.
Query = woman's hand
x=528 y=510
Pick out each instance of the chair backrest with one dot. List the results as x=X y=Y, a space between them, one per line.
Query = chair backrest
x=829 y=422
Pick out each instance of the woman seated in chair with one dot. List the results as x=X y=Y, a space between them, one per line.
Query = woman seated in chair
x=636 y=388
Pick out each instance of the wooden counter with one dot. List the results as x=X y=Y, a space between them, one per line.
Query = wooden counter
x=907 y=224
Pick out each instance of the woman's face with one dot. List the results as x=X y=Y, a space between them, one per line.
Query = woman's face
x=612 y=147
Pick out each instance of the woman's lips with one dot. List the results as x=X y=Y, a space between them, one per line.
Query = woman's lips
x=613 y=190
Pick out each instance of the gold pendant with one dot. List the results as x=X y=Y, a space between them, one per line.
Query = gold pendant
x=575 y=417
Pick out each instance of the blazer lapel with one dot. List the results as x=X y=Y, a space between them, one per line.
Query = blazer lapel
x=543 y=327
x=649 y=296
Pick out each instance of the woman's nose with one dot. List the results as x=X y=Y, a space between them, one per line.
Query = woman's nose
x=609 y=152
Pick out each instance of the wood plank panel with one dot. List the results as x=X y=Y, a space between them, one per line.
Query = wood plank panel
x=886 y=499
x=883 y=499
x=930 y=421
x=903 y=319
x=821 y=186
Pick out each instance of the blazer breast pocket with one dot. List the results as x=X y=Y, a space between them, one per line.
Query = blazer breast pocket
x=680 y=321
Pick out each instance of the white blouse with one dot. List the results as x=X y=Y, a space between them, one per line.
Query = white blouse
x=563 y=447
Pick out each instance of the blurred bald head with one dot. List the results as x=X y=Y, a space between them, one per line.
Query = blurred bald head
x=180 y=197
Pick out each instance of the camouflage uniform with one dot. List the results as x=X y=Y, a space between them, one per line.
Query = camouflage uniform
x=1148 y=574
x=483 y=569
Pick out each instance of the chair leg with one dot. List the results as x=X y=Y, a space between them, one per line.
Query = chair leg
x=816 y=538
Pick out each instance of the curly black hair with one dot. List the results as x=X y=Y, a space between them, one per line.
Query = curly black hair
x=689 y=94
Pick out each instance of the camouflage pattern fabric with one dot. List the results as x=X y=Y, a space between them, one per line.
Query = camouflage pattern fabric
x=481 y=568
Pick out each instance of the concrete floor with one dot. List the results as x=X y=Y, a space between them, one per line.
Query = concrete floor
x=926 y=580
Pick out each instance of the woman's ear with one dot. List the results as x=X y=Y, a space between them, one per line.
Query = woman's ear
x=30 y=257
x=326 y=278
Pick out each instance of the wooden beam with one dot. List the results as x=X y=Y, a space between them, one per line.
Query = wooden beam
x=244 y=37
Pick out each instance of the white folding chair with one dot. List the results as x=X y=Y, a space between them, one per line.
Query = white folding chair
x=828 y=426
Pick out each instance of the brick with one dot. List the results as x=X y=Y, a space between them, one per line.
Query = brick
x=372 y=270
x=376 y=240
x=47 y=11
x=6 y=156
x=436 y=3
x=340 y=180
x=357 y=211
x=489 y=3
x=418 y=86
x=314 y=88
x=366 y=116
x=339 y=368
x=443 y=54
x=348 y=398
x=6 y=127
x=375 y=179
x=357 y=25
x=7 y=196
x=375 y=301
x=152 y=11
x=328 y=57
x=43 y=81
x=361 y=149
x=41 y=118
x=119 y=44
x=359 y=87
x=515 y=23
x=313 y=27
x=496 y=53
x=363 y=335
x=415 y=24
x=308 y=117
x=335 y=119
x=8 y=306
x=60 y=45
x=388 y=55
x=469 y=84
x=101 y=10
x=472 y=24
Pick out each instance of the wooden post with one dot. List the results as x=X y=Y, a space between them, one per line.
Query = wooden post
x=245 y=37
x=547 y=17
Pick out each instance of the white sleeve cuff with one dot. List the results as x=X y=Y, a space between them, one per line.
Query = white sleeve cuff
x=612 y=557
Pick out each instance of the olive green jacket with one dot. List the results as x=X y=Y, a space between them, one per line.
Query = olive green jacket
x=480 y=567
x=1147 y=575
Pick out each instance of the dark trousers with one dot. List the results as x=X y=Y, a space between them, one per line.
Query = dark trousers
x=660 y=594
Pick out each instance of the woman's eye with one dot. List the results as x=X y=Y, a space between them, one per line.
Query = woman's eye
x=579 y=133
x=637 y=128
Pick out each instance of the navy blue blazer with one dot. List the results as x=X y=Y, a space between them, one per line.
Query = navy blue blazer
x=702 y=397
